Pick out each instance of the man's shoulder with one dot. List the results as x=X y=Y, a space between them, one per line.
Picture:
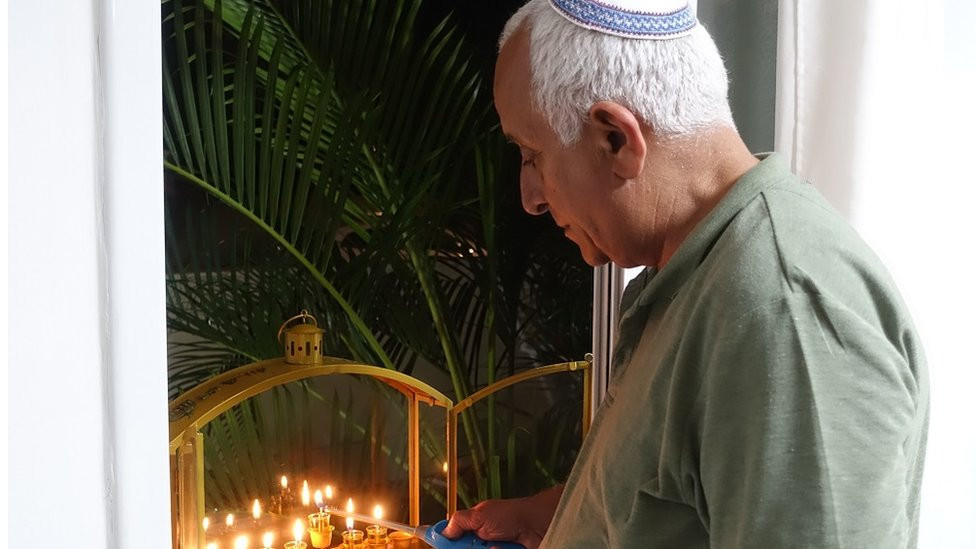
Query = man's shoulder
x=789 y=241
x=786 y=235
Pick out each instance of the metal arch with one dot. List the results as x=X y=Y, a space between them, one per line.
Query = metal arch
x=197 y=407
x=586 y=366
x=581 y=365
x=192 y=410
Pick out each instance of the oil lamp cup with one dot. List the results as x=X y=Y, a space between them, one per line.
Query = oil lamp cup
x=376 y=536
x=401 y=540
x=353 y=539
x=319 y=530
x=319 y=521
x=321 y=538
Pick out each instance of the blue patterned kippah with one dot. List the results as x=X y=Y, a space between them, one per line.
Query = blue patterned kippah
x=627 y=21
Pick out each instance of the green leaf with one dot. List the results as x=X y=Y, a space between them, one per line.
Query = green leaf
x=326 y=154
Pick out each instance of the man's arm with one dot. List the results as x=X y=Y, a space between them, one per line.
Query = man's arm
x=523 y=520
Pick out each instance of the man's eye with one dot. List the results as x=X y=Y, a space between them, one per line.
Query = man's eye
x=528 y=158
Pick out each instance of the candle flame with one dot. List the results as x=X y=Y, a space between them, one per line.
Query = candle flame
x=298 y=530
x=229 y=520
x=378 y=512
x=349 y=508
x=206 y=523
x=305 y=497
x=240 y=542
x=328 y=491
x=212 y=545
x=284 y=482
x=318 y=498
x=267 y=539
x=256 y=510
x=445 y=466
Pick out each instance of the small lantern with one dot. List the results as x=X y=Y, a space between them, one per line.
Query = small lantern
x=304 y=342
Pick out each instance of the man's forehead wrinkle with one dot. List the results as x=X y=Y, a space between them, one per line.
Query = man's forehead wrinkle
x=512 y=133
x=516 y=129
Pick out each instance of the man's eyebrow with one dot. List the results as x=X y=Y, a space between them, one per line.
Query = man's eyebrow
x=512 y=140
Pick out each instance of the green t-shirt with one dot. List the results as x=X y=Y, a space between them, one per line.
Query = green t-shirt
x=769 y=390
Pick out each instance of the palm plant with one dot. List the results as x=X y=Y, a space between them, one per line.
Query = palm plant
x=340 y=156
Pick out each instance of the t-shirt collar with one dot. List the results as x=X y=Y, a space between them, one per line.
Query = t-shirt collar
x=652 y=285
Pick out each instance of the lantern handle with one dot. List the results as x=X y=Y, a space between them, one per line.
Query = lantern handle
x=302 y=315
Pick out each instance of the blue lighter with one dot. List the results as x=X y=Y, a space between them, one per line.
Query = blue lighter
x=432 y=535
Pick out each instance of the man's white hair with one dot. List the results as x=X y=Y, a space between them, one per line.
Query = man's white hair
x=677 y=86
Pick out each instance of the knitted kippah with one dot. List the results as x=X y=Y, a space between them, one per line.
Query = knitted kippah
x=640 y=19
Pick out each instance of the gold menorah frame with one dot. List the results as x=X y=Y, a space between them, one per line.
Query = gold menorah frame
x=192 y=411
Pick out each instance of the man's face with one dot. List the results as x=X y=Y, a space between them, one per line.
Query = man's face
x=574 y=184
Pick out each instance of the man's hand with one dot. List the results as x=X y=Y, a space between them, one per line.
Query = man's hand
x=523 y=520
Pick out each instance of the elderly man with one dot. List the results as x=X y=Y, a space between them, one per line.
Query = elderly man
x=769 y=389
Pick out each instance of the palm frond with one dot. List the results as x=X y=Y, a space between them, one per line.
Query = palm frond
x=348 y=166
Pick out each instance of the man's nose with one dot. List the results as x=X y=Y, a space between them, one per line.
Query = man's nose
x=533 y=200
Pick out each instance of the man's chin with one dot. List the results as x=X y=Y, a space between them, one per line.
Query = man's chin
x=592 y=255
x=594 y=259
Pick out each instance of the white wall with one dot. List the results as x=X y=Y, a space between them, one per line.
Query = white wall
x=926 y=231
x=87 y=370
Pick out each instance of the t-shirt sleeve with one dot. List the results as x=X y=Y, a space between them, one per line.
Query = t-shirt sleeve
x=802 y=421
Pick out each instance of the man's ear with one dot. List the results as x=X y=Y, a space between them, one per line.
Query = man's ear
x=619 y=134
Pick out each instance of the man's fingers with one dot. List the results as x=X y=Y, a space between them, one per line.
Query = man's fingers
x=461 y=522
x=452 y=530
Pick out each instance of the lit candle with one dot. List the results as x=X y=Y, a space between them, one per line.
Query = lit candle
x=206 y=523
x=328 y=492
x=256 y=510
x=305 y=497
x=281 y=505
x=351 y=538
x=319 y=527
x=229 y=521
x=266 y=540
x=445 y=467
x=240 y=542
x=212 y=545
x=298 y=531
x=376 y=534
